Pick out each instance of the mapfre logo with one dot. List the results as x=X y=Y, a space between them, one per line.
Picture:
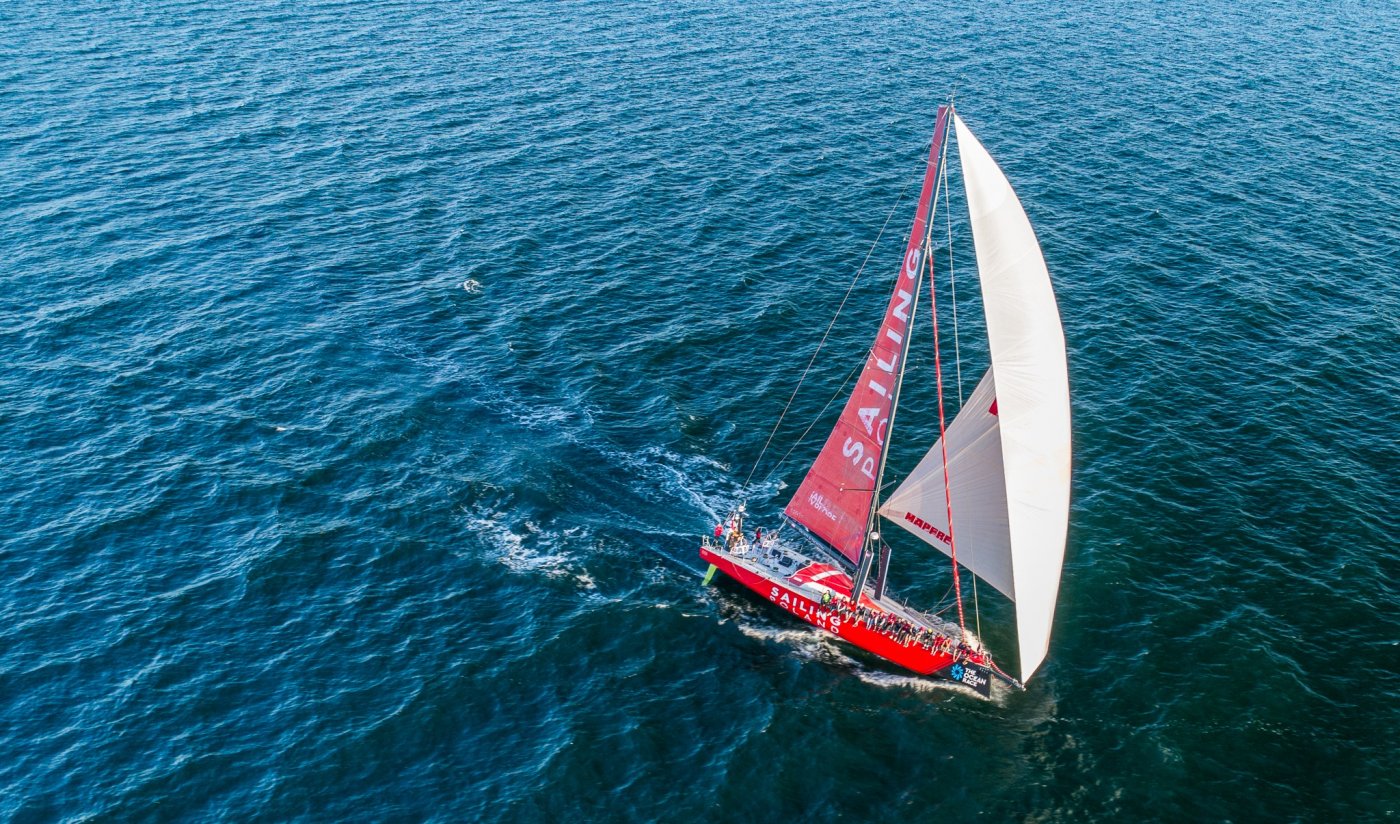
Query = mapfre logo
x=928 y=527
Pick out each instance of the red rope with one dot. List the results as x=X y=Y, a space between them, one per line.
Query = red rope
x=990 y=663
x=943 y=441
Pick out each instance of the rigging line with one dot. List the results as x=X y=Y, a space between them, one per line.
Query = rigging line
x=826 y=335
x=868 y=556
x=940 y=601
x=952 y=281
x=925 y=265
x=943 y=441
x=815 y=421
x=957 y=359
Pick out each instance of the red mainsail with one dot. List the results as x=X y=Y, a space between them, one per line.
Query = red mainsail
x=835 y=499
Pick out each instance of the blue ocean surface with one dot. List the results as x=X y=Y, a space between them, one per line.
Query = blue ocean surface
x=371 y=371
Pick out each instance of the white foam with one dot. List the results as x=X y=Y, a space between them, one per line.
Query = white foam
x=816 y=645
x=810 y=644
x=530 y=550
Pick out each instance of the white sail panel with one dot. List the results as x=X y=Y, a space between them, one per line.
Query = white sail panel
x=1032 y=386
x=978 y=490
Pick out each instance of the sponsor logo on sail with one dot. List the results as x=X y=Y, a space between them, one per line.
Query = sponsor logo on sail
x=928 y=527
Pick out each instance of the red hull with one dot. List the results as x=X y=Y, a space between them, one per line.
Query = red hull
x=783 y=591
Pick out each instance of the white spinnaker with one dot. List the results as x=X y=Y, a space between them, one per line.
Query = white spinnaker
x=978 y=488
x=1032 y=385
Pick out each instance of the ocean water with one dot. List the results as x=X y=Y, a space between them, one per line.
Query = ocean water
x=372 y=369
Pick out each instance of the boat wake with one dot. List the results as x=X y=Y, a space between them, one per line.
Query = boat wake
x=821 y=647
x=914 y=683
x=810 y=645
x=528 y=549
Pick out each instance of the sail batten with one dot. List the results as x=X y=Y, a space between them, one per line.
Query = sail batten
x=835 y=499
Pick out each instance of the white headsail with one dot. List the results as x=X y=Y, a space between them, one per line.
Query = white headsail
x=978 y=487
x=1013 y=538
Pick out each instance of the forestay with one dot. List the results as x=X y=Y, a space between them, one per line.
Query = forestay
x=978 y=490
x=1029 y=385
x=836 y=497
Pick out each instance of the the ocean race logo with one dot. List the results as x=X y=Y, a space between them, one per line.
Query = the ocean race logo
x=970 y=675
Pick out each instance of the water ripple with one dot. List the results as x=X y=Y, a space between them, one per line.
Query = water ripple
x=372 y=368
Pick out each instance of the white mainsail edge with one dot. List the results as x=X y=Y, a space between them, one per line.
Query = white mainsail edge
x=977 y=487
x=1027 y=346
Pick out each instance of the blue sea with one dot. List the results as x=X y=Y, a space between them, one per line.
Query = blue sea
x=372 y=370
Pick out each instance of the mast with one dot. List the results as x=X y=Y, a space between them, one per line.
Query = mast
x=835 y=499
x=870 y=550
x=943 y=440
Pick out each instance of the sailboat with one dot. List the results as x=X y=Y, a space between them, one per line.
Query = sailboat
x=992 y=493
